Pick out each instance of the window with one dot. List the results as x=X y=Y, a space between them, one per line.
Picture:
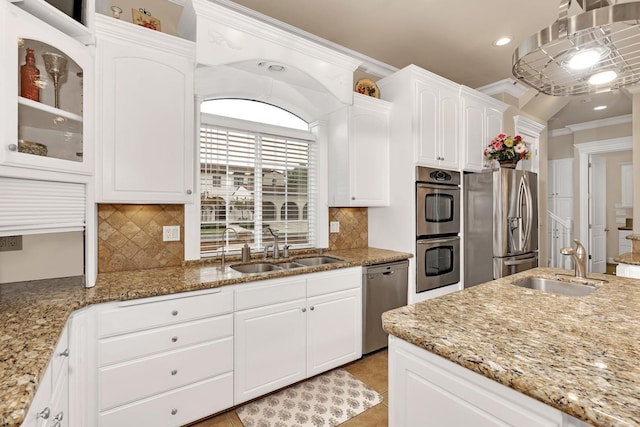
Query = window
x=263 y=180
x=216 y=181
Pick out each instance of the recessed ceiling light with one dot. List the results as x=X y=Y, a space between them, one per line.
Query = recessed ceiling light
x=602 y=77
x=502 y=41
x=600 y=107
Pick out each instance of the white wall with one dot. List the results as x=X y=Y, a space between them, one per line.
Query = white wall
x=44 y=256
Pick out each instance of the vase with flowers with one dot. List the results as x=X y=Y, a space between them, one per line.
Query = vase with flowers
x=508 y=151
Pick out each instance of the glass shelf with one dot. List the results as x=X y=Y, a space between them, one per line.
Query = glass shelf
x=42 y=116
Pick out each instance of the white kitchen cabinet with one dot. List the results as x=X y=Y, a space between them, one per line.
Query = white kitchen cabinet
x=482 y=120
x=424 y=386
x=42 y=131
x=359 y=152
x=51 y=402
x=438 y=121
x=626 y=185
x=156 y=356
x=624 y=244
x=145 y=115
x=304 y=326
x=628 y=270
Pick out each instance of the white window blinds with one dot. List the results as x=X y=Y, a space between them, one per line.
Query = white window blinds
x=32 y=206
x=250 y=181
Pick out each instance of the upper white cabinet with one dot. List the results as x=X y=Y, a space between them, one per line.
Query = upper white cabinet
x=359 y=153
x=426 y=111
x=482 y=120
x=559 y=203
x=47 y=103
x=145 y=117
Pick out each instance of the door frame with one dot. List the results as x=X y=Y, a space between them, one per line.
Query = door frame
x=583 y=152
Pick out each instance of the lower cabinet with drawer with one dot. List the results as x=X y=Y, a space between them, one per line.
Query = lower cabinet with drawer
x=298 y=327
x=165 y=361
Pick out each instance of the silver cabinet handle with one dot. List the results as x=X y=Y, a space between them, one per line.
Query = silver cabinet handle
x=312 y=308
x=174 y=313
x=189 y=192
x=174 y=339
x=59 y=416
x=304 y=309
x=65 y=353
x=174 y=372
x=13 y=147
x=353 y=198
x=44 y=414
x=174 y=411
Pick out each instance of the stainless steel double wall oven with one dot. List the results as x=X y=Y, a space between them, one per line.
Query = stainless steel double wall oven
x=437 y=228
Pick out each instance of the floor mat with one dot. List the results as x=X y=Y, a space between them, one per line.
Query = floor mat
x=326 y=400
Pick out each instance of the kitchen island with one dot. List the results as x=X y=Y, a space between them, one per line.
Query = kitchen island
x=578 y=355
x=33 y=314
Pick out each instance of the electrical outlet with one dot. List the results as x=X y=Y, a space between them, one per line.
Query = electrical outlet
x=171 y=233
x=10 y=243
x=334 y=226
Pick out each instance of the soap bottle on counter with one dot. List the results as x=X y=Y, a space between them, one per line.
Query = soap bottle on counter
x=246 y=253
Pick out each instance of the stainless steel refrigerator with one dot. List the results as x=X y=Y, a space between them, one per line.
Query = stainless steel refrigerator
x=500 y=224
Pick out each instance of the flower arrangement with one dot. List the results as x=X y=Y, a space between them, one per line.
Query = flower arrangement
x=504 y=147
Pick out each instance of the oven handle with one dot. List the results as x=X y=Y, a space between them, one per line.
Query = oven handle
x=445 y=240
x=438 y=186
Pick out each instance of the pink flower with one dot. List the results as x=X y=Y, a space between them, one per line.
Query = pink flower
x=501 y=136
x=497 y=145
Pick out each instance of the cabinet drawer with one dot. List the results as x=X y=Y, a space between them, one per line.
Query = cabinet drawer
x=145 y=315
x=129 y=381
x=175 y=408
x=334 y=281
x=270 y=292
x=145 y=343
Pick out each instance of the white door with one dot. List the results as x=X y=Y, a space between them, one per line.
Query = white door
x=270 y=348
x=334 y=330
x=597 y=248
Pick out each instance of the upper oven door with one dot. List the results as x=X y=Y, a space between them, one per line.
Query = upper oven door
x=438 y=209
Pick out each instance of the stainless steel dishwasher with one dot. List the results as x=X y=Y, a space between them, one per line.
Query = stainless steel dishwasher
x=384 y=287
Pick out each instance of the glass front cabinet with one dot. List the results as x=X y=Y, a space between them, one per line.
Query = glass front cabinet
x=47 y=83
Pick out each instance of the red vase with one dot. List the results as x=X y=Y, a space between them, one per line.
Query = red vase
x=30 y=77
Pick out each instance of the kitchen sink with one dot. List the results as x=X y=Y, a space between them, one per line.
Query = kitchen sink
x=318 y=260
x=555 y=286
x=261 y=267
x=290 y=265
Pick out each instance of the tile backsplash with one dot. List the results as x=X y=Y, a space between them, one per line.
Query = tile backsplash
x=354 y=228
x=130 y=237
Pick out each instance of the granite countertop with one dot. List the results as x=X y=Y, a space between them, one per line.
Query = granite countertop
x=628 y=258
x=33 y=314
x=577 y=354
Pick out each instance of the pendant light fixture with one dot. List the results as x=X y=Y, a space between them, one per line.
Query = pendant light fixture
x=595 y=51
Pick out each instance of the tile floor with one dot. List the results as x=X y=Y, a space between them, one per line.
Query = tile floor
x=371 y=369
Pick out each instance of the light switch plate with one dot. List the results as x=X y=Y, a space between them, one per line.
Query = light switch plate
x=171 y=233
x=334 y=226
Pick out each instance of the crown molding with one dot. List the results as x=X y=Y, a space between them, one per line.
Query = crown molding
x=509 y=86
x=593 y=124
x=367 y=64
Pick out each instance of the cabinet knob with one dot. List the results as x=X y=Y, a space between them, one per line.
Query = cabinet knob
x=174 y=339
x=353 y=198
x=174 y=372
x=312 y=308
x=189 y=192
x=304 y=310
x=174 y=313
x=59 y=416
x=174 y=411
x=13 y=147
x=44 y=414
x=65 y=353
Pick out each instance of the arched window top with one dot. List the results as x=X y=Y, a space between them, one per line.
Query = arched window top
x=254 y=111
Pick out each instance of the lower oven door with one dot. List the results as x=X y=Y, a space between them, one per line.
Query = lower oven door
x=437 y=263
x=507 y=266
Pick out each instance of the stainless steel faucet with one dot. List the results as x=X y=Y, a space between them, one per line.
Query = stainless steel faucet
x=276 y=248
x=579 y=255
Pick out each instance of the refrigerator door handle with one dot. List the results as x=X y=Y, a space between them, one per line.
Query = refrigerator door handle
x=524 y=192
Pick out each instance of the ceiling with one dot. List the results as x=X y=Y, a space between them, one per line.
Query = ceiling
x=452 y=38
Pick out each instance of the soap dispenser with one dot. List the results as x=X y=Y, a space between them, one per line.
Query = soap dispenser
x=246 y=253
